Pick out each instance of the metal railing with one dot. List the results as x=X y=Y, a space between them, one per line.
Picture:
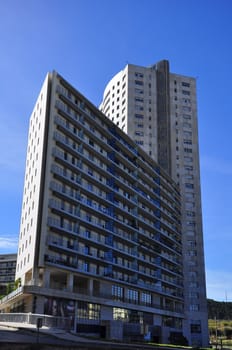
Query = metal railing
x=29 y=318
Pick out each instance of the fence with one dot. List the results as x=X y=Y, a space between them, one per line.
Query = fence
x=29 y=318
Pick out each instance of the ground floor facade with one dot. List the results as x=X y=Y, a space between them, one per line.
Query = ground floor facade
x=90 y=306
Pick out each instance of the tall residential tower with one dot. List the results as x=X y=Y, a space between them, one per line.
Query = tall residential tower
x=100 y=247
x=158 y=110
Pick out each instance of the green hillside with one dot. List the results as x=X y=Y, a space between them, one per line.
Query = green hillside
x=220 y=310
x=220 y=322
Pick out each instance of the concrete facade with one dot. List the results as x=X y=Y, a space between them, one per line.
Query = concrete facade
x=158 y=110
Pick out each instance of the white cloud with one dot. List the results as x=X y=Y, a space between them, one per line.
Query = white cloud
x=219 y=285
x=8 y=244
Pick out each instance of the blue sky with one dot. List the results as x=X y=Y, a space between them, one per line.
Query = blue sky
x=88 y=41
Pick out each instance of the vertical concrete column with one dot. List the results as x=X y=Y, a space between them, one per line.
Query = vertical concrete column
x=40 y=304
x=107 y=313
x=34 y=277
x=75 y=317
x=70 y=282
x=90 y=287
x=46 y=279
x=157 y=320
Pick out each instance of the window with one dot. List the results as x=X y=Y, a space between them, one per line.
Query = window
x=192 y=253
x=189 y=205
x=138 y=99
x=195 y=326
x=188 y=150
x=90 y=171
x=186 y=116
x=88 y=311
x=191 y=223
x=189 y=185
x=138 y=108
x=88 y=217
x=138 y=75
x=188 y=159
x=138 y=82
x=139 y=142
x=120 y=314
x=193 y=295
x=187 y=125
x=188 y=177
x=188 y=167
x=190 y=233
x=192 y=244
x=138 y=116
x=187 y=134
x=146 y=298
x=117 y=292
x=138 y=91
x=194 y=307
x=185 y=84
x=190 y=213
x=86 y=266
x=186 y=109
x=132 y=295
x=89 y=186
x=185 y=92
x=139 y=133
x=187 y=142
x=172 y=322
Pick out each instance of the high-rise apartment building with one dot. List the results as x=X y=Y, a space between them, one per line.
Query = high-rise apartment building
x=158 y=110
x=100 y=243
x=7 y=271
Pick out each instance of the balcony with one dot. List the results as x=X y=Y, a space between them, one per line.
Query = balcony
x=70 y=229
x=61 y=261
x=64 y=244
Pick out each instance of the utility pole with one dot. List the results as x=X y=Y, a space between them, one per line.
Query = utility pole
x=215 y=318
x=39 y=324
